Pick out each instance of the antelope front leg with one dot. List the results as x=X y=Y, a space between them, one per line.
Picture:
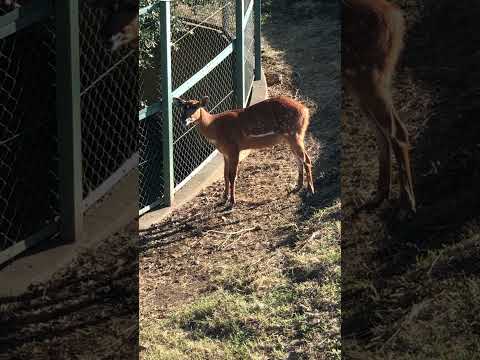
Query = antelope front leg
x=232 y=176
x=226 y=179
x=300 y=165
x=385 y=168
x=401 y=148
x=376 y=105
x=308 y=165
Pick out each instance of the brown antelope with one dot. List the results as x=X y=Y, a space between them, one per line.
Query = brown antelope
x=372 y=41
x=121 y=28
x=258 y=126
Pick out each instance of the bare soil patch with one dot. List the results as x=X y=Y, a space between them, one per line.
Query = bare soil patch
x=87 y=310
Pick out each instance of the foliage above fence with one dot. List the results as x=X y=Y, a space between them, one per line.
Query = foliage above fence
x=150 y=20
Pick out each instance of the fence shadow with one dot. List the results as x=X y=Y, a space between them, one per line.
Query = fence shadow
x=98 y=291
x=445 y=158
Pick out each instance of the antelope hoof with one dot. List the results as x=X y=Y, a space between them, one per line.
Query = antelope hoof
x=222 y=201
x=295 y=188
x=404 y=211
x=230 y=205
x=407 y=203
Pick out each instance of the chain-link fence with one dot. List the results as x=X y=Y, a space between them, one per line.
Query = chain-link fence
x=29 y=147
x=207 y=32
x=203 y=63
x=151 y=179
x=190 y=148
x=109 y=105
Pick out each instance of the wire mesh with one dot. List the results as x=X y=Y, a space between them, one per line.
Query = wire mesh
x=150 y=134
x=199 y=34
x=207 y=30
x=151 y=161
x=150 y=82
x=150 y=54
x=246 y=4
x=190 y=148
x=109 y=101
x=28 y=146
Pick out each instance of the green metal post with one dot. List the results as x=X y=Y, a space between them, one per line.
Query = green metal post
x=258 y=42
x=239 y=54
x=225 y=16
x=167 y=114
x=69 y=119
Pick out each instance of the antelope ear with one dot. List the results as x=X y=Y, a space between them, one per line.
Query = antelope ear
x=204 y=101
x=178 y=101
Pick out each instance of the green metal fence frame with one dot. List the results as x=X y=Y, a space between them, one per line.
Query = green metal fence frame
x=70 y=222
x=237 y=47
x=167 y=111
x=69 y=119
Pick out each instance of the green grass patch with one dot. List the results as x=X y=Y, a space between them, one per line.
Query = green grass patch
x=284 y=304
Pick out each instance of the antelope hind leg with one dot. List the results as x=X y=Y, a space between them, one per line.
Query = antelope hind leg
x=401 y=148
x=299 y=185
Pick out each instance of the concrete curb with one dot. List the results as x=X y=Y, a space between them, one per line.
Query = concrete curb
x=110 y=215
x=208 y=175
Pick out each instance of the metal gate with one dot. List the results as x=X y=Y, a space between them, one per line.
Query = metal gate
x=212 y=49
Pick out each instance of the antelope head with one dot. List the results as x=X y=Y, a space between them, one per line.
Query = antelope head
x=191 y=109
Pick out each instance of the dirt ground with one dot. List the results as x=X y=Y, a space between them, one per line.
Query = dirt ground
x=88 y=310
x=409 y=289
x=261 y=281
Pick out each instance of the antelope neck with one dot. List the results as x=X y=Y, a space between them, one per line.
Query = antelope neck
x=205 y=119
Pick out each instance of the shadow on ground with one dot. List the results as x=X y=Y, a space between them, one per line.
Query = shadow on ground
x=89 y=308
x=401 y=281
x=315 y=81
